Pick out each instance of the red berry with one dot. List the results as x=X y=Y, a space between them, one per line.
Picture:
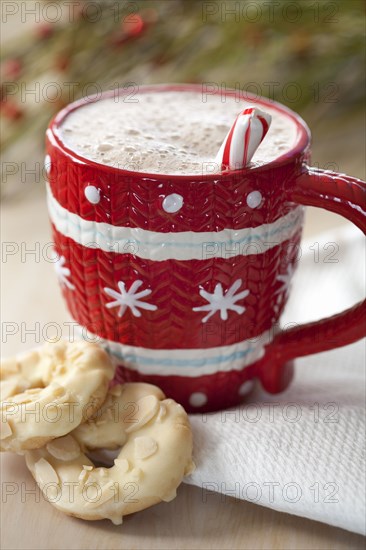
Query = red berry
x=44 y=30
x=11 y=69
x=62 y=62
x=11 y=110
x=132 y=24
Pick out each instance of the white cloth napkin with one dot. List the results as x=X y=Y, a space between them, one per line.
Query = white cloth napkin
x=302 y=451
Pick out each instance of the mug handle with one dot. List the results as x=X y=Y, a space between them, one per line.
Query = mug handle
x=346 y=196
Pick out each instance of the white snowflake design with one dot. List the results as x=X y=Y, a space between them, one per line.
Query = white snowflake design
x=129 y=298
x=222 y=302
x=285 y=279
x=63 y=272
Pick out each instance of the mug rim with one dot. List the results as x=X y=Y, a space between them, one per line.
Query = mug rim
x=302 y=139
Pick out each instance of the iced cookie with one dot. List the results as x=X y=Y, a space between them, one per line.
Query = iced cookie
x=47 y=392
x=155 y=456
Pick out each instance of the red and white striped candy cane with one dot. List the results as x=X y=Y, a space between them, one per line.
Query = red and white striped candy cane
x=243 y=139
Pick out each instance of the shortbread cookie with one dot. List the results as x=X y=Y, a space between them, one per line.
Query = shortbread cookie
x=156 y=454
x=47 y=392
x=121 y=412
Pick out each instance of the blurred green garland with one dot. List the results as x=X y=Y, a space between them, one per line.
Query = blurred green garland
x=301 y=53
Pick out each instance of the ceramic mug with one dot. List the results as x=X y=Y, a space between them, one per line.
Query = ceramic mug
x=195 y=269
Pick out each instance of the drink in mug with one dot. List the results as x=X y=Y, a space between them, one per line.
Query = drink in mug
x=179 y=269
x=175 y=133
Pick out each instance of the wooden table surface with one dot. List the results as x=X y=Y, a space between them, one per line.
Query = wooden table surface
x=186 y=522
x=31 y=303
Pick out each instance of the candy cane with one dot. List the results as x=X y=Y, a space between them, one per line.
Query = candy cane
x=244 y=137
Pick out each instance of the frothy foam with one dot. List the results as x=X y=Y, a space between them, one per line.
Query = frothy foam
x=166 y=132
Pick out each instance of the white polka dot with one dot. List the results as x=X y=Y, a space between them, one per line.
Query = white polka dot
x=246 y=387
x=254 y=199
x=92 y=194
x=172 y=203
x=198 y=399
x=47 y=164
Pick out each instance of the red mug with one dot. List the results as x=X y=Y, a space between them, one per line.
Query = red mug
x=184 y=278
